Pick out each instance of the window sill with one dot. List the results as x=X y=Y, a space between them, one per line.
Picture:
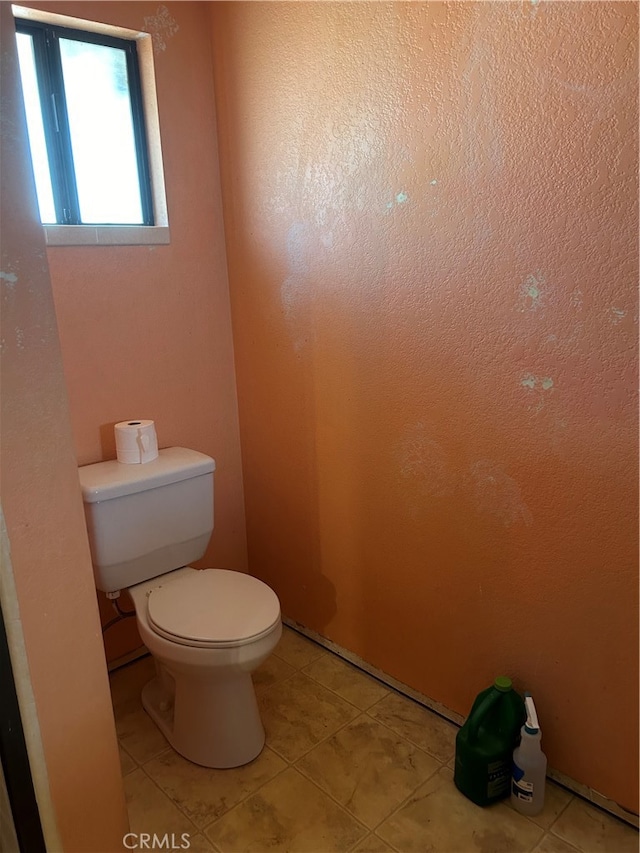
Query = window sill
x=106 y=235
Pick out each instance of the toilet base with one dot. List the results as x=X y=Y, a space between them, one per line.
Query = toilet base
x=215 y=723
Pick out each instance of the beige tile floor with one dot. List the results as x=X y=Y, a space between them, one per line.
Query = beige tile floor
x=349 y=765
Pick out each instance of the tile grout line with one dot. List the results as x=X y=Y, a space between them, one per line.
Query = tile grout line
x=155 y=755
x=206 y=826
x=443 y=763
x=360 y=712
x=288 y=763
x=367 y=712
x=127 y=753
x=382 y=723
x=572 y=847
x=373 y=834
x=292 y=763
x=164 y=794
x=242 y=800
x=390 y=691
x=378 y=675
x=370 y=830
x=311 y=642
x=267 y=687
x=561 y=780
x=304 y=776
x=199 y=831
x=311 y=748
x=326 y=686
x=405 y=802
x=548 y=829
x=440 y=764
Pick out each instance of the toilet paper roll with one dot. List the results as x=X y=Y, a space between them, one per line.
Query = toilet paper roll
x=136 y=441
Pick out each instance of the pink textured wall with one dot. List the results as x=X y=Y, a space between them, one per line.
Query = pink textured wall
x=431 y=228
x=45 y=521
x=146 y=330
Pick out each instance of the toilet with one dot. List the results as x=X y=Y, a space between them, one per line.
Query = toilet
x=207 y=629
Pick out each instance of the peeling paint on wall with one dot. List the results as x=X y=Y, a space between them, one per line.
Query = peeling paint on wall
x=524 y=9
x=576 y=298
x=400 y=198
x=433 y=198
x=540 y=386
x=473 y=354
x=533 y=8
x=531 y=291
x=530 y=381
x=161 y=26
x=423 y=462
x=495 y=493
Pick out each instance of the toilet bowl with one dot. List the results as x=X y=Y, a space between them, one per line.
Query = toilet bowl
x=207 y=629
x=202 y=698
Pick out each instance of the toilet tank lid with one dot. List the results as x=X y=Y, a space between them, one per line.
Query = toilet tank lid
x=103 y=481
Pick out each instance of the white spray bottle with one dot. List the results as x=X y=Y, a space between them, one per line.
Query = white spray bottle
x=529 y=766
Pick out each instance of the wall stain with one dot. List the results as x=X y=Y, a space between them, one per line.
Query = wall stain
x=617 y=315
x=433 y=198
x=524 y=9
x=423 y=462
x=495 y=493
x=161 y=26
x=577 y=299
x=400 y=198
x=531 y=291
x=538 y=385
x=532 y=382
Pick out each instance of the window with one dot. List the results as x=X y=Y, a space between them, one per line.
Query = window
x=86 y=108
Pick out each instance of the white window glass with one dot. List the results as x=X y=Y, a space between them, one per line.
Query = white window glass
x=35 y=127
x=102 y=135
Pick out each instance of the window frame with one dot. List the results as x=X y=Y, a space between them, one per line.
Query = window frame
x=53 y=106
x=117 y=235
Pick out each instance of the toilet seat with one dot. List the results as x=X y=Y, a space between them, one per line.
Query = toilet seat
x=213 y=608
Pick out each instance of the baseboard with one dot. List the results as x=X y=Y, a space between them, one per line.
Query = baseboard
x=562 y=779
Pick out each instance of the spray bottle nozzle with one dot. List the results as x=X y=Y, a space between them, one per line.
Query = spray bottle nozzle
x=532 y=726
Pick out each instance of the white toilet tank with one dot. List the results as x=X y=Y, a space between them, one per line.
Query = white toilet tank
x=146 y=520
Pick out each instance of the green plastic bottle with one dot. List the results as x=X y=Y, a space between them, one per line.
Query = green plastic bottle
x=485 y=743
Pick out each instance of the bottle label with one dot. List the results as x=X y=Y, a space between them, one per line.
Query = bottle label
x=497 y=779
x=521 y=789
